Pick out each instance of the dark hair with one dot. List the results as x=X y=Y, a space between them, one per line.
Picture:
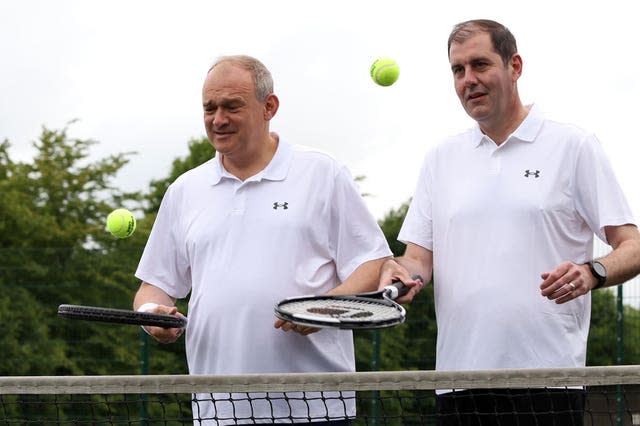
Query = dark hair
x=504 y=43
x=262 y=79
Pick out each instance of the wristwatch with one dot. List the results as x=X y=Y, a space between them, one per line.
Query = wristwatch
x=599 y=271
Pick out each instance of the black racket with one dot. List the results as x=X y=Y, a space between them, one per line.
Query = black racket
x=361 y=311
x=120 y=316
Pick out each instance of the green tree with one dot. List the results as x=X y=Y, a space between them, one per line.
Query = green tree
x=603 y=337
x=631 y=349
x=52 y=214
x=602 y=333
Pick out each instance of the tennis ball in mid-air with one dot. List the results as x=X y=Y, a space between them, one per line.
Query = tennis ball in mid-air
x=121 y=223
x=385 y=71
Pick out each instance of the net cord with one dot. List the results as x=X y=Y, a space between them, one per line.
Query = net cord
x=359 y=381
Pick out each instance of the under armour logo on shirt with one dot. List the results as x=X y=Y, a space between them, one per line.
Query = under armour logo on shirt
x=284 y=205
x=529 y=173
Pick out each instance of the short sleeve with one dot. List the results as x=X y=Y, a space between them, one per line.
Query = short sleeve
x=164 y=262
x=417 y=227
x=355 y=236
x=598 y=196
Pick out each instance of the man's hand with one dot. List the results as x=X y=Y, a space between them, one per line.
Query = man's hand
x=289 y=326
x=392 y=271
x=567 y=282
x=165 y=335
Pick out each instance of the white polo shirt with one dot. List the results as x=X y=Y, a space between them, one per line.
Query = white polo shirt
x=298 y=227
x=496 y=217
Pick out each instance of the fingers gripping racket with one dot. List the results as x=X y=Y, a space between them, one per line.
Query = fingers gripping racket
x=121 y=316
x=361 y=311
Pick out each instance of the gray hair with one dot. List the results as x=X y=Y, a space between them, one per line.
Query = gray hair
x=262 y=79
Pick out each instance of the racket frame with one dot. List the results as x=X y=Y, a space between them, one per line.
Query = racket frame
x=378 y=298
x=384 y=297
x=120 y=316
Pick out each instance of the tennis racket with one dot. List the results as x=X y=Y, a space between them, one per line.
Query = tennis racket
x=120 y=316
x=361 y=311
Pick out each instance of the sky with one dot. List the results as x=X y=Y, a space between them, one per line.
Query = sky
x=131 y=73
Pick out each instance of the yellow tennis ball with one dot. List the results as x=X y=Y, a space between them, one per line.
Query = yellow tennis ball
x=121 y=223
x=385 y=71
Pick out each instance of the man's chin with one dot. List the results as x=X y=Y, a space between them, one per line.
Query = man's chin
x=477 y=112
x=221 y=144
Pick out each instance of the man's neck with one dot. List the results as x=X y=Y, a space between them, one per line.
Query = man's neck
x=250 y=165
x=502 y=130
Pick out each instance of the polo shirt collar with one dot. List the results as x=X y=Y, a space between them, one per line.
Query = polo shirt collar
x=279 y=165
x=526 y=132
x=276 y=169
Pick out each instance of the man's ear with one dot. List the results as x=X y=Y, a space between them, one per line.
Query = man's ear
x=516 y=65
x=271 y=104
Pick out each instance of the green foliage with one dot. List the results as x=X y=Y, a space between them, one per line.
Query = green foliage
x=26 y=336
x=631 y=344
x=602 y=337
x=54 y=250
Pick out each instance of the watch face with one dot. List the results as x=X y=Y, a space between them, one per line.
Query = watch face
x=599 y=269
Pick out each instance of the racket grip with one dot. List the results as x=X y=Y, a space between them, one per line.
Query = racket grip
x=398 y=289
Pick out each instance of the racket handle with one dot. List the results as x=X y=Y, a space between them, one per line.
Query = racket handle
x=398 y=289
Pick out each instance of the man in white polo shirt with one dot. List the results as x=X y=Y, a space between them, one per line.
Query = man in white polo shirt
x=504 y=216
x=261 y=221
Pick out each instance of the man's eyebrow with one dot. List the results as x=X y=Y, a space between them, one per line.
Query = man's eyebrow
x=208 y=103
x=472 y=60
x=225 y=101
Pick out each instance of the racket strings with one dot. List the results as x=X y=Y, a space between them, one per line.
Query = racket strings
x=353 y=309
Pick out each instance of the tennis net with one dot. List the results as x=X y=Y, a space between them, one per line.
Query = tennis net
x=610 y=397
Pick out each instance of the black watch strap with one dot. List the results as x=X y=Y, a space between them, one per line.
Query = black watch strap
x=599 y=271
